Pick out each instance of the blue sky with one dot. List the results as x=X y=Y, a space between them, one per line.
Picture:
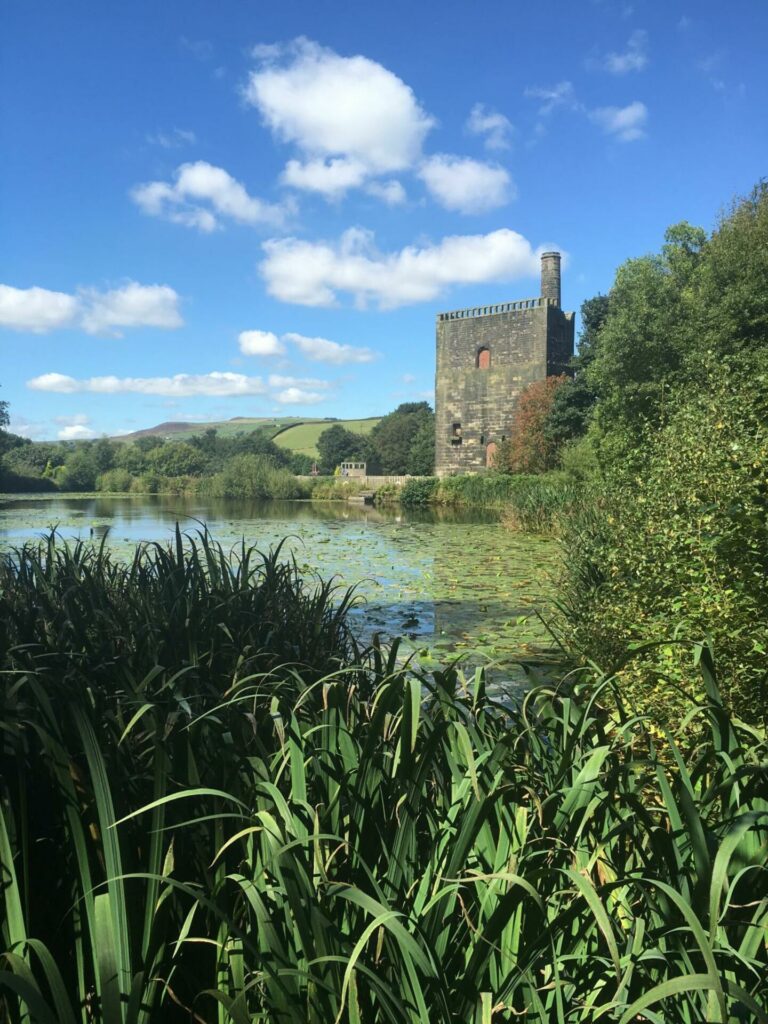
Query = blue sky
x=245 y=209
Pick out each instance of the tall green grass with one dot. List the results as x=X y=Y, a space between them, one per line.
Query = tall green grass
x=535 y=503
x=216 y=808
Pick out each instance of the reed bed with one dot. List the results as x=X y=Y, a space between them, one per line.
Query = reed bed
x=216 y=808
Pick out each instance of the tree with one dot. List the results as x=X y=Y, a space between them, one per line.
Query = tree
x=337 y=444
x=530 y=449
x=393 y=438
x=422 y=453
x=80 y=470
x=176 y=458
x=574 y=402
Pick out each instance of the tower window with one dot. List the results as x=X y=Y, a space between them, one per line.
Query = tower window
x=483 y=358
x=456 y=433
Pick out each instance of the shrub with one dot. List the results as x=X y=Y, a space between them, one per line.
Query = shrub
x=115 y=481
x=418 y=491
x=679 y=542
x=253 y=476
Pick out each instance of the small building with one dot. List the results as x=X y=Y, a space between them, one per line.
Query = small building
x=356 y=470
x=486 y=356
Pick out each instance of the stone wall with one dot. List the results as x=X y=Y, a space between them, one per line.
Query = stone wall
x=526 y=341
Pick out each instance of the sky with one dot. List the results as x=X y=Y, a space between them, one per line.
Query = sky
x=242 y=208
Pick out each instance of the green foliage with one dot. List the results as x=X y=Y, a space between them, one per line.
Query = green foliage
x=176 y=458
x=114 y=481
x=286 y=829
x=336 y=445
x=253 y=476
x=573 y=403
x=80 y=470
x=679 y=543
x=401 y=440
x=421 y=459
x=578 y=461
x=418 y=492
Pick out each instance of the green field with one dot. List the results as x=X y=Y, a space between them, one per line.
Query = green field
x=302 y=437
x=292 y=432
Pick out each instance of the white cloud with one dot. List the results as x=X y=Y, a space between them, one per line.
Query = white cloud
x=329 y=105
x=173 y=139
x=133 y=305
x=300 y=396
x=390 y=192
x=278 y=381
x=320 y=350
x=76 y=432
x=35 y=309
x=625 y=123
x=201 y=182
x=314 y=273
x=634 y=58
x=38 y=310
x=552 y=97
x=332 y=178
x=490 y=123
x=182 y=385
x=260 y=343
x=469 y=186
x=77 y=419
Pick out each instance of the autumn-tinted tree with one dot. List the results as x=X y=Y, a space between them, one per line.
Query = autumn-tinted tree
x=530 y=448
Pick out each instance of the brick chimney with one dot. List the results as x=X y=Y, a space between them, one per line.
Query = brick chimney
x=550 y=276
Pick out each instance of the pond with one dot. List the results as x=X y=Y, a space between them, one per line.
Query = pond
x=449 y=583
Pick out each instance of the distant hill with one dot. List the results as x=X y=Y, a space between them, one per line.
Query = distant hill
x=292 y=432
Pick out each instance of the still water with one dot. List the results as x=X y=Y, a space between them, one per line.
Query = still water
x=449 y=583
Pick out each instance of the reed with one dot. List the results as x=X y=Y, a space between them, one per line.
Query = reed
x=215 y=807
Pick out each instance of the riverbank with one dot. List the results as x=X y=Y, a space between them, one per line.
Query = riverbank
x=528 y=502
x=237 y=791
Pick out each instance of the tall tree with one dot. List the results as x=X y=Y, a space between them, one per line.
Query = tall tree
x=337 y=444
x=393 y=437
x=574 y=402
x=530 y=449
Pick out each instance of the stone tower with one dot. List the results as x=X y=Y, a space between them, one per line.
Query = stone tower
x=485 y=357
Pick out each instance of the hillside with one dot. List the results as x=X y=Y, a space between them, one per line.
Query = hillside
x=302 y=437
x=292 y=432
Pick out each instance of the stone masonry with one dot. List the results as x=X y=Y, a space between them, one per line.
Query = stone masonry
x=485 y=357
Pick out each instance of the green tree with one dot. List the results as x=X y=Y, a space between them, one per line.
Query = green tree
x=129 y=456
x=176 y=458
x=421 y=460
x=79 y=471
x=574 y=402
x=393 y=437
x=337 y=444
x=677 y=545
x=104 y=452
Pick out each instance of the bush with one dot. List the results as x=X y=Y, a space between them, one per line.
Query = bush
x=418 y=491
x=115 y=481
x=253 y=476
x=679 y=543
x=147 y=483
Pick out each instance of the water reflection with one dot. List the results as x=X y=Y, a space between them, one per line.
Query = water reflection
x=448 y=581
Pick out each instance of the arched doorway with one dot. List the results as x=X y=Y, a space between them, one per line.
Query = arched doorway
x=490 y=454
x=483 y=359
